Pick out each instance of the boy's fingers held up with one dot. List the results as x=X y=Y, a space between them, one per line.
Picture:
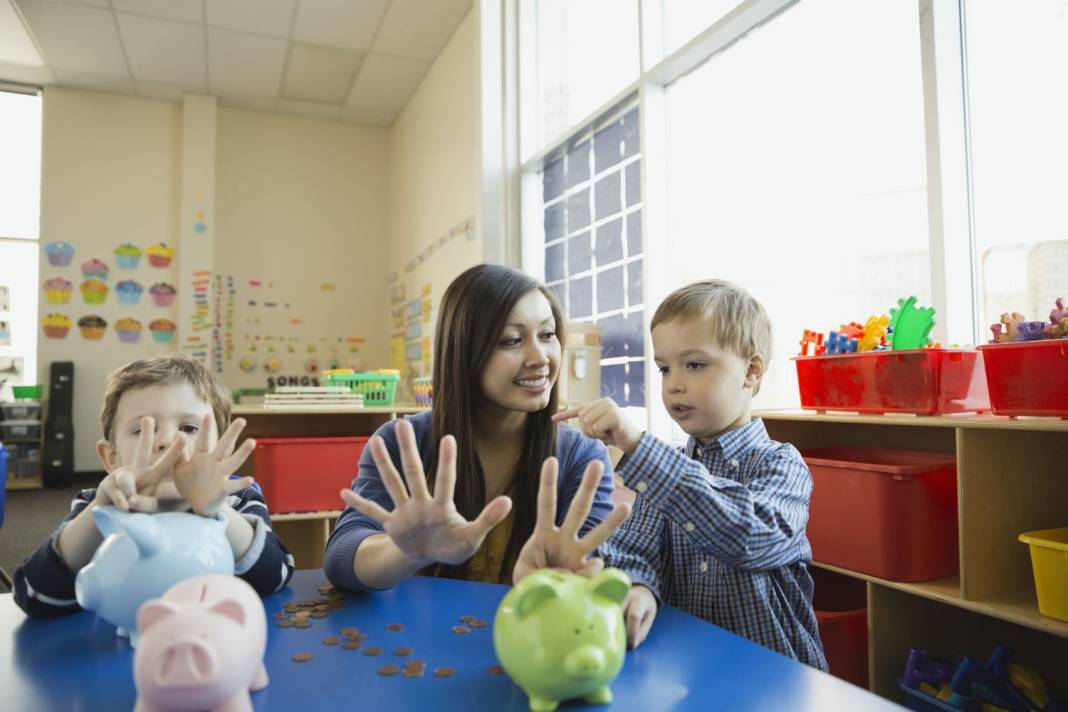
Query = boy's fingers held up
x=237 y=485
x=145 y=442
x=237 y=459
x=144 y=503
x=228 y=440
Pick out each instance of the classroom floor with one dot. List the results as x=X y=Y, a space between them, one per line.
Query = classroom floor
x=31 y=515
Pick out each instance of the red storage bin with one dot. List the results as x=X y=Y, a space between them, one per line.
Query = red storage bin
x=1028 y=378
x=921 y=381
x=886 y=513
x=841 y=605
x=305 y=474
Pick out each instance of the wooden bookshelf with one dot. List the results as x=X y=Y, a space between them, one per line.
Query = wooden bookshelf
x=1011 y=478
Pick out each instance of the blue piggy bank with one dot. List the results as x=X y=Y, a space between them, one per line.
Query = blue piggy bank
x=143 y=555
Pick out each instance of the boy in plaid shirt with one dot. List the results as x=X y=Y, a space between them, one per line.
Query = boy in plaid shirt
x=718 y=528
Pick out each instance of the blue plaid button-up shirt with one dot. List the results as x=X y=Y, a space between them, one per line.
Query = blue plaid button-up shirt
x=719 y=531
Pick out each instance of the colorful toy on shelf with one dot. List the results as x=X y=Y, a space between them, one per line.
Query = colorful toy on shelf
x=1030 y=330
x=874 y=333
x=814 y=338
x=423 y=389
x=1010 y=322
x=837 y=343
x=561 y=636
x=910 y=326
x=853 y=330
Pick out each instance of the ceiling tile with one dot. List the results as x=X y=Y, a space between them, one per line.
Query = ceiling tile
x=419 y=29
x=16 y=45
x=157 y=90
x=22 y=74
x=267 y=17
x=76 y=37
x=184 y=10
x=246 y=101
x=163 y=51
x=315 y=110
x=320 y=74
x=244 y=64
x=95 y=82
x=360 y=116
x=339 y=23
x=385 y=83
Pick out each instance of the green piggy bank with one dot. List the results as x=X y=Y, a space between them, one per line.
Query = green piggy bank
x=561 y=636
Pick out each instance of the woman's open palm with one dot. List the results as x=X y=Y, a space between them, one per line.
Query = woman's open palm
x=427 y=529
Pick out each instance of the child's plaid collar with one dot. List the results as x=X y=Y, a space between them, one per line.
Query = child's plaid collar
x=732 y=442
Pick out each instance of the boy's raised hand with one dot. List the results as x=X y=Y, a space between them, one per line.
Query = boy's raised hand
x=606 y=421
x=134 y=486
x=560 y=547
x=203 y=479
x=427 y=529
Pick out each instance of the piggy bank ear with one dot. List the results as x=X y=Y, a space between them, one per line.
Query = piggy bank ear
x=145 y=533
x=231 y=609
x=534 y=591
x=106 y=519
x=152 y=612
x=613 y=584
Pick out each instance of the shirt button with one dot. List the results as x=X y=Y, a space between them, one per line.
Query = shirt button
x=641 y=487
x=733 y=463
x=688 y=526
x=704 y=566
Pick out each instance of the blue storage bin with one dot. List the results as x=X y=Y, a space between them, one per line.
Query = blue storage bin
x=922 y=702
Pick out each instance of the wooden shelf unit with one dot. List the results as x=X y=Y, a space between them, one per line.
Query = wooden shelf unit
x=305 y=533
x=1011 y=478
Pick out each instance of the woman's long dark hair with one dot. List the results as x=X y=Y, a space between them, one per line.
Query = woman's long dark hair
x=472 y=315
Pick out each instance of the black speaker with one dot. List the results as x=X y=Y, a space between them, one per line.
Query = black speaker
x=57 y=454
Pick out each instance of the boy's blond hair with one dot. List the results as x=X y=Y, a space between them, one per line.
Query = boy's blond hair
x=737 y=320
x=167 y=369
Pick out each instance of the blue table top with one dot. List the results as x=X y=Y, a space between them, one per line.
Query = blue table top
x=76 y=662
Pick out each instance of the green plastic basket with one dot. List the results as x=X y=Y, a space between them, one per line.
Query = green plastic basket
x=377 y=388
x=27 y=392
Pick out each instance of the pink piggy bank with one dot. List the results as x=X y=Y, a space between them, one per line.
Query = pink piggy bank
x=202 y=647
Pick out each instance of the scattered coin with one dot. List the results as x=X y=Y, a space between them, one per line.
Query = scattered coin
x=495 y=670
x=444 y=672
x=331 y=641
x=280 y=616
x=403 y=652
x=349 y=632
x=326 y=590
x=302 y=623
x=388 y=670
x=291 y=607
x=467 y=619
x=372 y=651
x=302 y=657
x=460 y=629
x=412 y=672
x=285 y=624
x=351 y=644
x=319 y=614
x=477 y=623
x=395 y=627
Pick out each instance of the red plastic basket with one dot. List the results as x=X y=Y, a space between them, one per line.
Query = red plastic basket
x=305 y=474
x=1028 y=378
x=886 y=513
x=920 y=381
x=841 y=605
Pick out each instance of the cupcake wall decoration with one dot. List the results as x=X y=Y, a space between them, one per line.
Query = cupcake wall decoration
x=128 y=256
x=162 y=294
x=92 y=327
x=162 y=330
x=94 y=268
x=56 y=326
x=129 y=330
x=159 y=255
x=129 y=291
x=94 y=291
x=59 y=254
x=57 y=290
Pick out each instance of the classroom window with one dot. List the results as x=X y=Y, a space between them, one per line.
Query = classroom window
x=591 y=194
x=796 y=168
x=1017 y=68
x=20 y=198
x=587 y=52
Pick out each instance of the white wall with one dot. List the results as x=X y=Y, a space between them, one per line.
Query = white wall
x=434 y=170
x=299 y=203
x=109 y=175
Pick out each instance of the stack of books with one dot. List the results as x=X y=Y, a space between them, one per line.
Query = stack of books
x=326 y=396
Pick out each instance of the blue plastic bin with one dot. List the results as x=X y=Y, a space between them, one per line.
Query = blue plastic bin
x=922 y=702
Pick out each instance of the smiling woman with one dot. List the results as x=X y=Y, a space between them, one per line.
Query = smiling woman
x=471 y=509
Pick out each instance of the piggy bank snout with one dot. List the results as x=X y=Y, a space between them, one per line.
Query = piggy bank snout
x=585 y=661
x=186 y=661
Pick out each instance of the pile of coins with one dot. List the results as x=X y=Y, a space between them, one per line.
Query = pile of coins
x=297 y=615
